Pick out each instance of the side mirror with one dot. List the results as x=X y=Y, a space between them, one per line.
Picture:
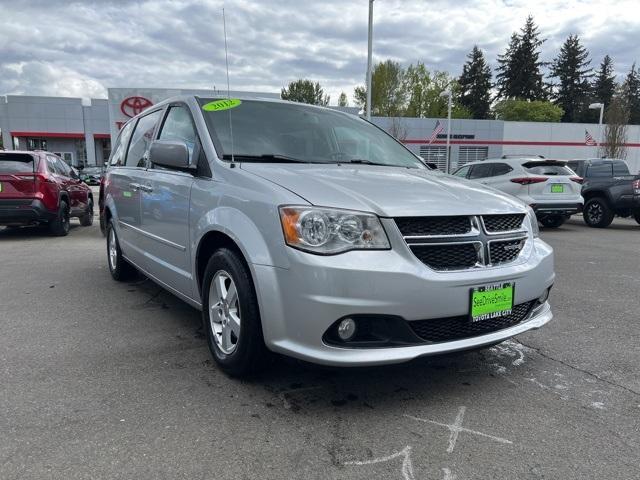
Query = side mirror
x=432 y=166
x=170 y=154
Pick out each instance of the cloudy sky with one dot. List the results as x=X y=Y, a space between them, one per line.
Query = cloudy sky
x=80 y=48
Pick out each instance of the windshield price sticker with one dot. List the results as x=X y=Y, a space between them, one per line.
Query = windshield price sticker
x=491 y=301
x=219 y=105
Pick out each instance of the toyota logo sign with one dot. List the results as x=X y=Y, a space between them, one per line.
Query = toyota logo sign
x=132 y=106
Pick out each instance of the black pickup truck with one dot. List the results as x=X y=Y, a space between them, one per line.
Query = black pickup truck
x=608 y=190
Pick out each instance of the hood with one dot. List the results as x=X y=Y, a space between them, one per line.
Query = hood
x=386 y=191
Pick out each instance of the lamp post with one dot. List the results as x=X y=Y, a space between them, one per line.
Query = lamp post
x=447 y=93
x=369 y=54
x=596 y=106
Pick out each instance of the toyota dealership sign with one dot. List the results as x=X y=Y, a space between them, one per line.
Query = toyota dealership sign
x=126 y=103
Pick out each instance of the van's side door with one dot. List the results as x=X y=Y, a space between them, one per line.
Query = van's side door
x=165 y=197
x=126 y=180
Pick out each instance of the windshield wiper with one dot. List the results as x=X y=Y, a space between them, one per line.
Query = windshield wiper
x=363 y=161
x=265 y=158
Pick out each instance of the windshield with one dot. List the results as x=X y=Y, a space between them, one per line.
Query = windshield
x=284 y=132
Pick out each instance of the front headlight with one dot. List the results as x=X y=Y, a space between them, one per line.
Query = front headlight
x=534 y=222
x=328 y=231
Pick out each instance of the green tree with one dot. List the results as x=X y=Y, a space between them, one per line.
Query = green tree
x=525 y=111
x=342 y=100
x=475 y=85
x=631 y=94
x=519 y=68
x=387 y=90
x=305 y=91
x=424 y=89
x=604 y=85
x=571 y=68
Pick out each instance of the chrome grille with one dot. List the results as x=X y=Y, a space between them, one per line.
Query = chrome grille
x=456 y=328
x=502 y=223
x=464 y=242
x=428 y=226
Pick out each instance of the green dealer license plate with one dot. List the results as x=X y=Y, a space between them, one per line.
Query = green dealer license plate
x=491 y=301
x=557 y=188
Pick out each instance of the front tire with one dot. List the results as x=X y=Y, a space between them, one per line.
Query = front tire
x=231 y=315
x=552 y=221
x=636 y=216
x=119 y=268
x=60 y=225
x=597 y=213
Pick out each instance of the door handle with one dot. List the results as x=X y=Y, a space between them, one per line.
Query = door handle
x=146 y=188
x=135 y=186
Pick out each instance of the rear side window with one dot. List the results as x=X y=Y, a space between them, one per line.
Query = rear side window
x=547 y=168
x=500 y=169
x=11 y=163
x=117 y=159
x=601 y=170
x=462 y=172
x=52 y=165
x=141 y=140
x=482 y=170
x=620 y=168
x=179 y=126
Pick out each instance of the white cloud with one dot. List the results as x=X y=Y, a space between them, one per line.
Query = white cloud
x=81 y=48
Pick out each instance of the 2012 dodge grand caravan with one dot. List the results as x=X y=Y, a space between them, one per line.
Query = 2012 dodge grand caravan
x=313 y=233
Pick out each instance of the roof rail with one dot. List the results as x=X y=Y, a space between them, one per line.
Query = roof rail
x=521 y=156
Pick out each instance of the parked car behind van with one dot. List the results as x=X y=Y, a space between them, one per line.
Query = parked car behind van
x=312 y=233
x=39 y=188
x=608 y=189
x=547 y=186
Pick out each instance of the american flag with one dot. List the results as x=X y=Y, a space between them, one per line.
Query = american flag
x=588 y=139
x=439 y=127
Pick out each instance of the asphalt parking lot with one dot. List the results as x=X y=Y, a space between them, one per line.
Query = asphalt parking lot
x=108 y=380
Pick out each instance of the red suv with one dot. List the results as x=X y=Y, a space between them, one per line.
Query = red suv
x=40 y=188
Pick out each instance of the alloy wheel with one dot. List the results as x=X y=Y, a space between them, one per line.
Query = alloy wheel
x=224 y=312
x=595 y=212
x=113 y=251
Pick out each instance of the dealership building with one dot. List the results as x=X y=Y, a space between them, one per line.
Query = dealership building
x=81 y=131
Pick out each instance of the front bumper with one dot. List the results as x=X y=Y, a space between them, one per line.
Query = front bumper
x=300 y=303
x=15 y=212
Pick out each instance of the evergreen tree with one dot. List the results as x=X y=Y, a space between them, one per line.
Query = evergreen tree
x=305 y=91
x=631 y=95
x=604 y=85
x=342 y=100
x=519 y=74
x=475 y=85
x=571 y=68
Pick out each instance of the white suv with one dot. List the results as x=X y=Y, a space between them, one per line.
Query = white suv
x=548 y=186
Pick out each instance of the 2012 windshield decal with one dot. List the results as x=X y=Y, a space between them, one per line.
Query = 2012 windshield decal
x=219 y=105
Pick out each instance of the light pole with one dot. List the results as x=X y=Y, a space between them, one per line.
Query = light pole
x=369 y=53
x=447 y=93
x=596 y=106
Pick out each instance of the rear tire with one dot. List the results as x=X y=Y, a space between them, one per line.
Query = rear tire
x=636 y=215
x=231 y=315
x=553 y=221
x=120 y=269
x=597 y=213
x=61 y=224
x=86 y=220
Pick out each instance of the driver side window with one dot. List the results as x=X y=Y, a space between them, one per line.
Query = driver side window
x=178 y=125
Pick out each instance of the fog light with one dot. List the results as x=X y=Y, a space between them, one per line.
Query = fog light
x=346 y=329
x=543 y=298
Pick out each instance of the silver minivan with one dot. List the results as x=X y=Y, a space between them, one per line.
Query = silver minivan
x=312 y=233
